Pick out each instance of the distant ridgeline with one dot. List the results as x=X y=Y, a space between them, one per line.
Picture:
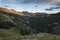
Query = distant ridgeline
x=30 y=23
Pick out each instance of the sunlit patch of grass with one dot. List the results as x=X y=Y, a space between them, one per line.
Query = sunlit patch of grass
x=5 y=33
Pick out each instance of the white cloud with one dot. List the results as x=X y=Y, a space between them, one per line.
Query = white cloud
x=55 y=1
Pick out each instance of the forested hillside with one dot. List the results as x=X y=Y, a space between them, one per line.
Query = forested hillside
x=30 y=23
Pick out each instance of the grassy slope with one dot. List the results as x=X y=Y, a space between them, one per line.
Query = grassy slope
x=9 y=34
x=6 y=34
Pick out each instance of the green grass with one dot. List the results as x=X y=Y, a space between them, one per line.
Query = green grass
x=11 y=34
x=7 y=34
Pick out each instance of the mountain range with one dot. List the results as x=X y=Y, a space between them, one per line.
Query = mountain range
x=27 y=23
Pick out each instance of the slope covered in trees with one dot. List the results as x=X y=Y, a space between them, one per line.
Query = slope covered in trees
x=31 y=23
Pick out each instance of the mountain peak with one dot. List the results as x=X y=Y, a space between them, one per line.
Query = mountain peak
x=11 y=11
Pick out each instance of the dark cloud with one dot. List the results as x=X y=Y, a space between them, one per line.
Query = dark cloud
x=49 y=9
x=35 y=1
x=58 y=4
x=32 y=1
x=52 y=8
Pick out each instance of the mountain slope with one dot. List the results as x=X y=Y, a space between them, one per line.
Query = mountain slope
x=13 y=11
x=6 y=21
x=34 y=23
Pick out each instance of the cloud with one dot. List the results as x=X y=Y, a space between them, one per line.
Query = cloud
x=57 y=4
x=49 y=9
x=53 y=8
x=32 y=1
x=43 y=1
x=9 y=1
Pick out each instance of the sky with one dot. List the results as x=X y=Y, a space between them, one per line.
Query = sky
x=50 y=6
